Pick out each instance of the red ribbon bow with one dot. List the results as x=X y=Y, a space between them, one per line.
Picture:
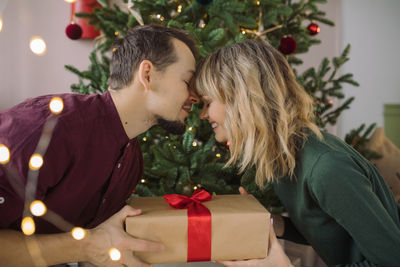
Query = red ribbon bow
x=199 y=223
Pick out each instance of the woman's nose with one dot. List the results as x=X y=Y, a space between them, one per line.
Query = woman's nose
x=203 y=114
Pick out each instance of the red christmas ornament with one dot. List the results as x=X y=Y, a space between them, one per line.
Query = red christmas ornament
x=313 y=29
x=86 y=31
x=73 y=31
x=288 y=45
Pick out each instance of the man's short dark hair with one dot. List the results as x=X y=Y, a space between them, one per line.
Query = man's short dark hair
x=151 y=42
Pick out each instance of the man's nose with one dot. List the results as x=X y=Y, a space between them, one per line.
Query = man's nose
x=193 y=97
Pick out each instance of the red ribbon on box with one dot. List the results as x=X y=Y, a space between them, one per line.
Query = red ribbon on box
x=199 y=223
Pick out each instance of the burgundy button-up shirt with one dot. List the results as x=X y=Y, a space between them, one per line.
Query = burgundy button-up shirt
x=90 y=166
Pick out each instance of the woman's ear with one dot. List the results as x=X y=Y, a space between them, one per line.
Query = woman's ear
x=144 y=72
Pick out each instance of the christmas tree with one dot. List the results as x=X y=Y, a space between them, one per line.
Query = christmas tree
x=180 y=164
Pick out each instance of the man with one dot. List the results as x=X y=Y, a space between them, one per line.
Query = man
x=94 y=161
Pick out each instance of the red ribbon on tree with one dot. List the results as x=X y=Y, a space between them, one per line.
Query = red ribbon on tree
x=199 y=223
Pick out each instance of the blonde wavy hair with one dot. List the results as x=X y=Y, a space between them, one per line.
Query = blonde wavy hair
x=268 y=114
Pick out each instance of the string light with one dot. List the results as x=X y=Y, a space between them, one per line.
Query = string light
x=166 y=137
x=258 y=3
x=179 y=9
x=158 y=16
x=114 y=49
x=38 y=208
x=56 y=105
x=1 y=23
x=194 y=187
x=190 y=128
x=162 y=18
x=243 y=32
x=194 y=143
x=144 y=139
x=78 y=233
x=4 y=154
x=174 y=147
x=114 y=253
x=116 y=33
x=143 y=181
x=37 y=45
x=203 y=25
x=36 y=162
x=218 y=155
x=28 y=226
x=70 y=1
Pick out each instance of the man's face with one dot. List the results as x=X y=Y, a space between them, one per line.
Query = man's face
x=172 y=98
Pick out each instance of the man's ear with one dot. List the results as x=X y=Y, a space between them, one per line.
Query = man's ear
x=144 y=71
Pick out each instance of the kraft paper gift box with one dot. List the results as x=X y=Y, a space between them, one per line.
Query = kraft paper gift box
x=239 y=229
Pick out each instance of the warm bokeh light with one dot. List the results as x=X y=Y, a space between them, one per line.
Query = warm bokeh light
x=144 y=139
x=70 y=1
x=4 y=154
x=195 y=187
x=194 y=143
x=78 y=233
x=37 y=45
x=38 y=208
x=56 y=105
x=114 y=253
x=28 y=226
x=36 y=162
x=218 y=155
x=143 y=181
x=1 y=23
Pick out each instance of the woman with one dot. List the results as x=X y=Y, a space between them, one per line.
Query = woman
x=336 y=199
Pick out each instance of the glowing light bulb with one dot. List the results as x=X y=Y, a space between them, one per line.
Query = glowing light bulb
x=56 y=105
x=70 y=1
x=1 y=23
x=143 y=181
x=190 y=128
x=180 y=8
x=36 y=162
x=37 y=45
x=144 y=139
x=4 y=154
x=114 y=253
x=194 y=187
x=194 y=143
x=38 y=208
x=78 y=233
x=116 y=33
x=28 y=226
x=243 y=32
x=218 y=155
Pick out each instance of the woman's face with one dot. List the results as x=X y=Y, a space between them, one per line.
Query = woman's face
x=214 y=112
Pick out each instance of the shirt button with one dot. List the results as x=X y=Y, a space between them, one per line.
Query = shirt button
x=2 y=200
x=119 y=165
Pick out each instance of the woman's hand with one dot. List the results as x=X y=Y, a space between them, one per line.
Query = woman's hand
x=275 y=255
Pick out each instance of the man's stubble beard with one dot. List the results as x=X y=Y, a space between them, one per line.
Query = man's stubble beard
x=174 y=127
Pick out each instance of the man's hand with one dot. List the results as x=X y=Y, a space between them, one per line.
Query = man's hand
x=111 y=234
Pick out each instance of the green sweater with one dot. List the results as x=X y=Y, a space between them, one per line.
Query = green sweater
x=341 y=205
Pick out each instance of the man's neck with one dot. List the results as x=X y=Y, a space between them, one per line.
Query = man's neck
x=132 y=111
